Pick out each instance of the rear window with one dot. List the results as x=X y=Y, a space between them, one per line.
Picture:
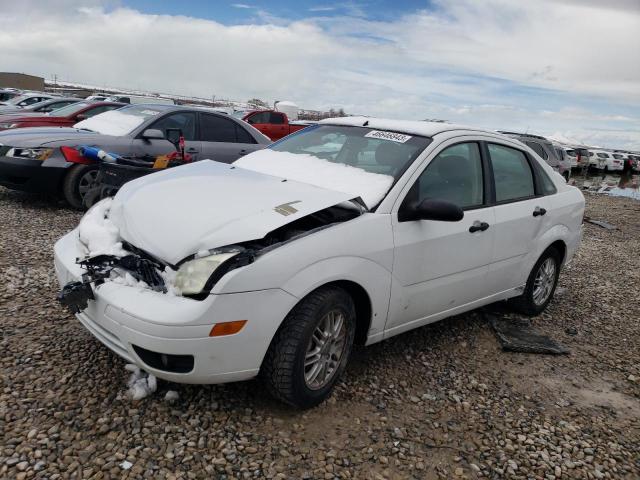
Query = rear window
x=602 y=155
x=571 y=153
x=536 y=147
x=617 y=156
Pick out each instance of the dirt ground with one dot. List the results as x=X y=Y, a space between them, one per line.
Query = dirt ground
x=443 y=401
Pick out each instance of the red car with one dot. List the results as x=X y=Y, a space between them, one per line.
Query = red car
x=274 y=125
x=64 y=117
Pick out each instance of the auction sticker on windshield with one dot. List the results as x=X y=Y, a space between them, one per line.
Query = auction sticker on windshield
x=394 y=137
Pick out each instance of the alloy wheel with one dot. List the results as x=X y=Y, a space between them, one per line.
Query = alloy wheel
x=325 y=350
x=86 y=182
x=544 y=281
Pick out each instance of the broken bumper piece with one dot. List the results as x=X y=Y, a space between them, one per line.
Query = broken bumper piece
x=76 y=295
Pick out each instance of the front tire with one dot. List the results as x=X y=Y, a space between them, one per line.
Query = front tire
x=311 y=348
x=77 y=182
x=541 y=284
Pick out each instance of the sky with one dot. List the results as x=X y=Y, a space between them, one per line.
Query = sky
x=569 y=69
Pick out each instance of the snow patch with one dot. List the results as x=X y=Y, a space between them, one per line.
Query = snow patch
x=112 y=122
x=97 y=233
x=171 y=396
x=371 y=187
x=141 y=384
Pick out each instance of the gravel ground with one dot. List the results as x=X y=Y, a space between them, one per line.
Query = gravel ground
x=440 y=402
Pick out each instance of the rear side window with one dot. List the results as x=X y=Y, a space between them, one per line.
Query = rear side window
x=277 y=118
x=262 y=117
x=217 y=129
x=602 y=155
x=536 y=147
x=617 y=156
x=512 y=173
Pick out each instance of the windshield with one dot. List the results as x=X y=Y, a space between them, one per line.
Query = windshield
x=358 y=160
x=68 y=109
x=122 y=121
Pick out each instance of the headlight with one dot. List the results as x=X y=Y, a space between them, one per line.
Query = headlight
x=193 y=275
x=8 y=125
x=30 y=153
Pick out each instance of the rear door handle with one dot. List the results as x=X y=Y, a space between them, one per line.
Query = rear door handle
x=539 y=211
x=478 y=226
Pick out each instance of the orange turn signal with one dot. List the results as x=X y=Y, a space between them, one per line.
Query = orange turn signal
x=227 y=328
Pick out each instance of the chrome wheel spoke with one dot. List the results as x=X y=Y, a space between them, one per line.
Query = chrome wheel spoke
x=544 y=281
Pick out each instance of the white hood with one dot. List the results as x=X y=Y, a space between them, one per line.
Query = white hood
x=204 y=205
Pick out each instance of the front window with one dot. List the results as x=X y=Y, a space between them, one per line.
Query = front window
x=358 y=160
x=122 y=121
x=455 y=176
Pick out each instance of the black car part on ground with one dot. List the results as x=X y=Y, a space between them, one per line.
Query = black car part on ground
x=75 y=295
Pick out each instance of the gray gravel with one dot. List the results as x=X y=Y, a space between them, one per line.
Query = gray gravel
x=440 y=402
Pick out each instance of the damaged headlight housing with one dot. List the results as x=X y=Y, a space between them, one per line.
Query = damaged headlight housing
x=30 y=153
x=193 y=275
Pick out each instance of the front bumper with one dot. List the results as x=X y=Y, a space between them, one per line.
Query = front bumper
x=127 y=319
x=29 y=175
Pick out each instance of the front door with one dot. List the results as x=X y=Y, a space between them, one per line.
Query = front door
x=440 y=266
x=185 y=121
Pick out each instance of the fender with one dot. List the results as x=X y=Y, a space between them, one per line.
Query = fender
x=372 y=277
x=555 y=233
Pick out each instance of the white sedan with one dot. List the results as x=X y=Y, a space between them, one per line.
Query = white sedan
x=350 y=231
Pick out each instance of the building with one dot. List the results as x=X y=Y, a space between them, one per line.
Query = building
x=21 y=81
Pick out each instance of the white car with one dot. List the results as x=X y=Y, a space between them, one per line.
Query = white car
x=350 y=231
x=607 y=162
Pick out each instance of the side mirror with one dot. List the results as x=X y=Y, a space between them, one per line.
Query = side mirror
x=81 y=116
x=174 y=135
x=431 y=209
x=153 y=134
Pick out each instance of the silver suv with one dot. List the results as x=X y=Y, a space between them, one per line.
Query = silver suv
x=546 y=150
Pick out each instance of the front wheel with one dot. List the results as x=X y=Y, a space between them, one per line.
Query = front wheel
x=77 y=182
x=541 y=284
x=311 y=349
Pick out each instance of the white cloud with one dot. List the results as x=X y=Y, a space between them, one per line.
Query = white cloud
x=482 y=63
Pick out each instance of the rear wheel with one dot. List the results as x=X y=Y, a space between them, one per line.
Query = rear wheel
x=541 y=284
x=77 y=182
x=311 y=349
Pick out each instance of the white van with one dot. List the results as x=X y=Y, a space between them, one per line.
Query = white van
x=135 y=99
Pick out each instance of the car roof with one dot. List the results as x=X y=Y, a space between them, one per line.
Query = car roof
x=413 y=127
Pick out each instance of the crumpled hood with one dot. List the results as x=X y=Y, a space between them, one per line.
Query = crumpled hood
x=50 y=136
x=178 y=212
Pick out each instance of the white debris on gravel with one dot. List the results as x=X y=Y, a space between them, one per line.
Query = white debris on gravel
x=126 y=465
x=141 y=384
x=98 y=235
x=171 y=396
x=371 y=187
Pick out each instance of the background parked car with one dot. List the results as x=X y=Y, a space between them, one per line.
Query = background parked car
x=62 y=117
x=46 y=159
x=6 y=94
x=545 y=149
x=25 y=100
x=274 y=125
x=606 y=161
x=138 y=99
x=42 y=107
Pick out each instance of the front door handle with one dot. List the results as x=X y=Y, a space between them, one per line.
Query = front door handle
x=539 y=211
x=192 y=150
x=242 y=152
x=478 y=226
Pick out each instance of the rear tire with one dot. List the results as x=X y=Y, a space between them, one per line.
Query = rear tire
x=541 y=284
x=77 y=182
x=303 y=364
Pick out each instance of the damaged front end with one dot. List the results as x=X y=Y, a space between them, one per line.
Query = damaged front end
x=194 y=276
x=75 y=295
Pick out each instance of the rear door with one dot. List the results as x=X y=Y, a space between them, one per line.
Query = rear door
x=223 y=139
x=520 y=214
x=185 y=121
x=278 y=126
